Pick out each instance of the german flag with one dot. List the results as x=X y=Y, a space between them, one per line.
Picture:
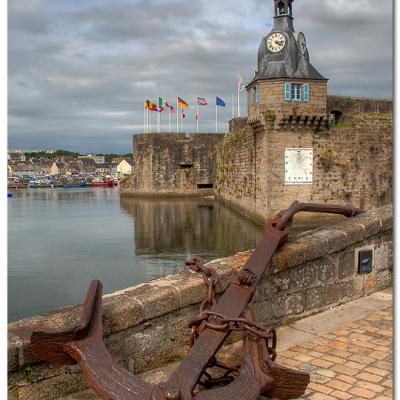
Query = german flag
x=182 y=103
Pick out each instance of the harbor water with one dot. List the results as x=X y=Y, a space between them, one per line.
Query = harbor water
x=61 y=239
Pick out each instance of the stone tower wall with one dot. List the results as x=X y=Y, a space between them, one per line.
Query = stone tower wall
x=272 y=99
x=172 y=164
x=351 y=161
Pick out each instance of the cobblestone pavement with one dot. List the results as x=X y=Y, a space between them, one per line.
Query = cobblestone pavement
x=353 y=362
x=347 y=351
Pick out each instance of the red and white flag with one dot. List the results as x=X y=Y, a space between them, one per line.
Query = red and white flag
x=240 y=84
x=202 y=101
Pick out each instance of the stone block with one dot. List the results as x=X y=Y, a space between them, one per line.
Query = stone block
x=354 y=233
x=352 y=288
x=371 y=223
x=347 y=266
x=383 y=256
x=313 y=298
x=326 y=269
x=371 y=284
x=14 y=344
x=302 y=277
x=384 y=279
x=336 y=239
x=122 y=312
x=287 y=304
x=157 y=299
x=52 y=388
x=385 y=214
x=190 y=286
x=290 y=255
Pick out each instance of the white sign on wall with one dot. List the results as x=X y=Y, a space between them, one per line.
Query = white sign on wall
x=299 y=166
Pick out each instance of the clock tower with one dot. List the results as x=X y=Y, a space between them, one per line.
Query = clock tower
x=286 y=88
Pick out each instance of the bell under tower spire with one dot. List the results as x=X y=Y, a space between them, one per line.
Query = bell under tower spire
x=283 y=8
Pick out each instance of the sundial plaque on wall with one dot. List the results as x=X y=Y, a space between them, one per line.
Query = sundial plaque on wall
x=299 y=166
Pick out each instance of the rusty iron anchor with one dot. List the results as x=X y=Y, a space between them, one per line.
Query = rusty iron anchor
x=257 y=373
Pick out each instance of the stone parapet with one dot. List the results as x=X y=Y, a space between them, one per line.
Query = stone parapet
x=146 y=325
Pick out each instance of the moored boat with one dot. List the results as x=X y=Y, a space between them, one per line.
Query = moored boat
x=101 y=182
x=74 y=185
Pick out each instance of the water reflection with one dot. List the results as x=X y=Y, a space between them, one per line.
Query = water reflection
x=200 y=226
x=59 y=240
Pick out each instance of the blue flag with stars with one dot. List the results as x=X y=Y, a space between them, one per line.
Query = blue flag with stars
x=220 y=102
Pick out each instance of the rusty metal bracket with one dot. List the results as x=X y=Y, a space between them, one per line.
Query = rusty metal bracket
x=257 y=373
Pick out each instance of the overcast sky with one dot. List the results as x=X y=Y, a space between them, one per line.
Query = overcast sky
x=80 y=69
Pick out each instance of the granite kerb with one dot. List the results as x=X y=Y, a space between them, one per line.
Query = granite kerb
x=138 y=305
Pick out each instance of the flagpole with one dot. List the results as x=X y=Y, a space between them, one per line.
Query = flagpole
x=144 y=116
x=197 y=116
x=150 y=128
x=158 y=120
x=177 y=116
x=169 y=120
x=233 y=106
x=238 y=101
x=182 y=119
x=216 y=115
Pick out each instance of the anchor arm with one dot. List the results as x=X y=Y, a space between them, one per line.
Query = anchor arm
x=84 y=345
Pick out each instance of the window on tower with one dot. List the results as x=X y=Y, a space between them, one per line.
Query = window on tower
x=256 y=94
x=296 y=91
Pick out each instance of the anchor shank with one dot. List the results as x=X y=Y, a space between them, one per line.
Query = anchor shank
x=231 y=304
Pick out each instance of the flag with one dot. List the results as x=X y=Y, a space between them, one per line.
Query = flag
x=197 y=116
x=240 y=84
x=183 y=113
x=159 y=108
x=167 y=105
x=172 y=109
x=150 y=105
x=161 y=101
x=182 y=103
x=202 y=102
x=220 y=102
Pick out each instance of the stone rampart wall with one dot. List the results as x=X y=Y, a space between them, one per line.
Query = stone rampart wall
x=146 y=326
x=347 y=105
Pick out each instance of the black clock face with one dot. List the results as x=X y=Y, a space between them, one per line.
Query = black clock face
x=301 y=41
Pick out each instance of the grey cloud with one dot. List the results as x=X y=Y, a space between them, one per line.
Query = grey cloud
x=28 y=16
x=79 y=81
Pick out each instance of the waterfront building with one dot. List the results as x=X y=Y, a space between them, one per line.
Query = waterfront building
x=125 y=167
x=57 y=168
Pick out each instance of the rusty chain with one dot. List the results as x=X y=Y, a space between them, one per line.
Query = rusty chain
x=219 y=322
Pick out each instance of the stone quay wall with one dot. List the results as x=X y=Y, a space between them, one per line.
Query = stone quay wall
x=172 y=164
x=350 y=161
x=147 y=326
